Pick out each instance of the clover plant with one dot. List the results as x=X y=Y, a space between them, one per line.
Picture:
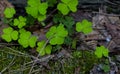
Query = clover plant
x=26 y=39
x=56 y=35
x=37 y=9
x=85 y=26
x=9 y=34
x=9 y=12
x=43 y=49
x=67 y=21
x=101 y=51
x=67 y=5
x=20 y=22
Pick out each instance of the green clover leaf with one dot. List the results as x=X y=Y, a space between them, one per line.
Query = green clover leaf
x=63 y=8
x=67 y=5
x=14 y=35
x=57 y=34
x=42 y=8
x=9 y=34
x=6 y=37
x=84 y=26
x=32 y=41
x=20 y=22
x=101 y=51
x=73 y=5
x=41 y=17
x=48 y=49
x=42 y=50
x=9 y=12
x=37 y=9
x=26 y=39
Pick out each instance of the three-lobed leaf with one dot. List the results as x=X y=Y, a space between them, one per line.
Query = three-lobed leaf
x=20 y=22
x=9 y=12
x=14 y=35
x=9 y=34
x=37 y=9
x=42 y=8
x=73 y=5
x=101 y=51
x=26 y=39
x=43 y=49
x=67 y=5
x=84 y=26
x=63 y=8
x=57 y=34
x=32 y=41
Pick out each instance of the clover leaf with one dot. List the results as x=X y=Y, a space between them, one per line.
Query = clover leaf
x=101 y=51
x=57 y=34
x=37 y=9
x=84 y=26
x=26 y=39
x=67 y=5
x=9 y=34
x=20 y=22
x=42 y=49
x=9 y=12
x=32 y=41
x=63 y=8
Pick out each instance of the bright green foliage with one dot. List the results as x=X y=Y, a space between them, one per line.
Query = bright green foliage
x=42 y=49
x=51 y=2
x=26 y=39
x=84 y=26
x=57 y=34
x=67 y=5
x=20 y=22
x=37 y=9
x=9 y=12
x=101 y=51
x=9 y=34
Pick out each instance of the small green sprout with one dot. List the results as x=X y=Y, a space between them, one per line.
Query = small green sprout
x=37 y=9
x=20 y=22
x=67 y=5
x=9 y=12
x=84 y=26
x=9 y=34
x=26 y=39
x=42 y=49
x=57 y=34
x=101 y=51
